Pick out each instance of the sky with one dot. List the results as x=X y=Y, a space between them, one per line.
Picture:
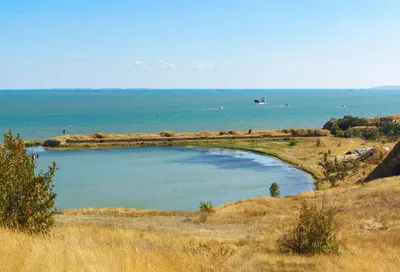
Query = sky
x=199 y=44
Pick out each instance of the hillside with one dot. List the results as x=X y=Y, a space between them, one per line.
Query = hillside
x=240 y=236
x=387 y=87
x=390 y=166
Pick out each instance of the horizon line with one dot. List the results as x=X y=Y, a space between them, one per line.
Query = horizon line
x=149 y=88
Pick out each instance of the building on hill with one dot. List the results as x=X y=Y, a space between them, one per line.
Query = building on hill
x=362 y=151
x=390 y=119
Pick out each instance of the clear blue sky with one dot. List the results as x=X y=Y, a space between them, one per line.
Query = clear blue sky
x=199 y=44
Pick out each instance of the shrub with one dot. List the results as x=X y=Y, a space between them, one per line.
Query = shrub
x=26 y=199
x=315 y=232
x=318 y=142
x=296 y=132
x=100 y=135
x=168 y=134
x=349 y=121
x=372 y=134
x=206 y=207
x=250 y=131
x=335 y=170
x=338 y=133
x=233 y=132
x=274 y=190
x=293 y=143
x=223 y=133
x=353 y=133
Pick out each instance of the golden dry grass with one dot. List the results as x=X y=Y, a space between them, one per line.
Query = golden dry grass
x=240 y=236
x=111 y=136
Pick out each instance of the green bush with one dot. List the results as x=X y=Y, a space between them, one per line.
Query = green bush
x=353 y=133
x=206 y=207
x=338 y=133
x=274 y=190
x=372 y=134
x=222 y=133
x=26 y=199
x=349 y=121
x=315 y=232
x=293 y=143
x=307 y=132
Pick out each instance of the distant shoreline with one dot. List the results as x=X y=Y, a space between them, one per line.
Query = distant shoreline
x=161 y=89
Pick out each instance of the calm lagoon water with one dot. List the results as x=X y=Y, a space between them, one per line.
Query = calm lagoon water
x=166 y=178
x=42 y=114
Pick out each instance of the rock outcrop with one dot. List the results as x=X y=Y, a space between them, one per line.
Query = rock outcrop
x=390 y=166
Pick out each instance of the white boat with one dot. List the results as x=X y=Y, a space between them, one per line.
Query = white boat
x=221 y=108
x=261 y=101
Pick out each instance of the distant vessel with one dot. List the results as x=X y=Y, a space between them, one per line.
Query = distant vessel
x=287 y=105
x=221 y=108
x=343 y=106
x=262 y=101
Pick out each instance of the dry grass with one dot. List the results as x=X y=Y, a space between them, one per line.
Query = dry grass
x=123 y=212
x=240 y=236
x=108 y=136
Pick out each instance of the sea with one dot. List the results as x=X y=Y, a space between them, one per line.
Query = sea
x=42 y=114
x=170 y=178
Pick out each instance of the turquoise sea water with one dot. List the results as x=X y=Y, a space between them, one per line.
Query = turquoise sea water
x=41 y=114
x=166 y=178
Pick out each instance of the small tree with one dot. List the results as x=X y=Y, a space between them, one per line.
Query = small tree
x=274 y=190
x=318 y=142
x=26 y=199
x=315 y=232
x=206 y=208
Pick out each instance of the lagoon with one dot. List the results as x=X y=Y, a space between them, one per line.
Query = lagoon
x=166 y=178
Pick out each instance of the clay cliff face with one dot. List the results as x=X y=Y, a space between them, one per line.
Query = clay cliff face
x=390 y=166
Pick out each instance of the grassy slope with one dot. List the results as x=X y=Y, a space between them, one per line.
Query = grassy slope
x=240 y=236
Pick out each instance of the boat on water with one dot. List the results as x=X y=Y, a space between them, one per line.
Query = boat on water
x=261 y=101
x=221 y=108
x=343 y=106
x=287 y=105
